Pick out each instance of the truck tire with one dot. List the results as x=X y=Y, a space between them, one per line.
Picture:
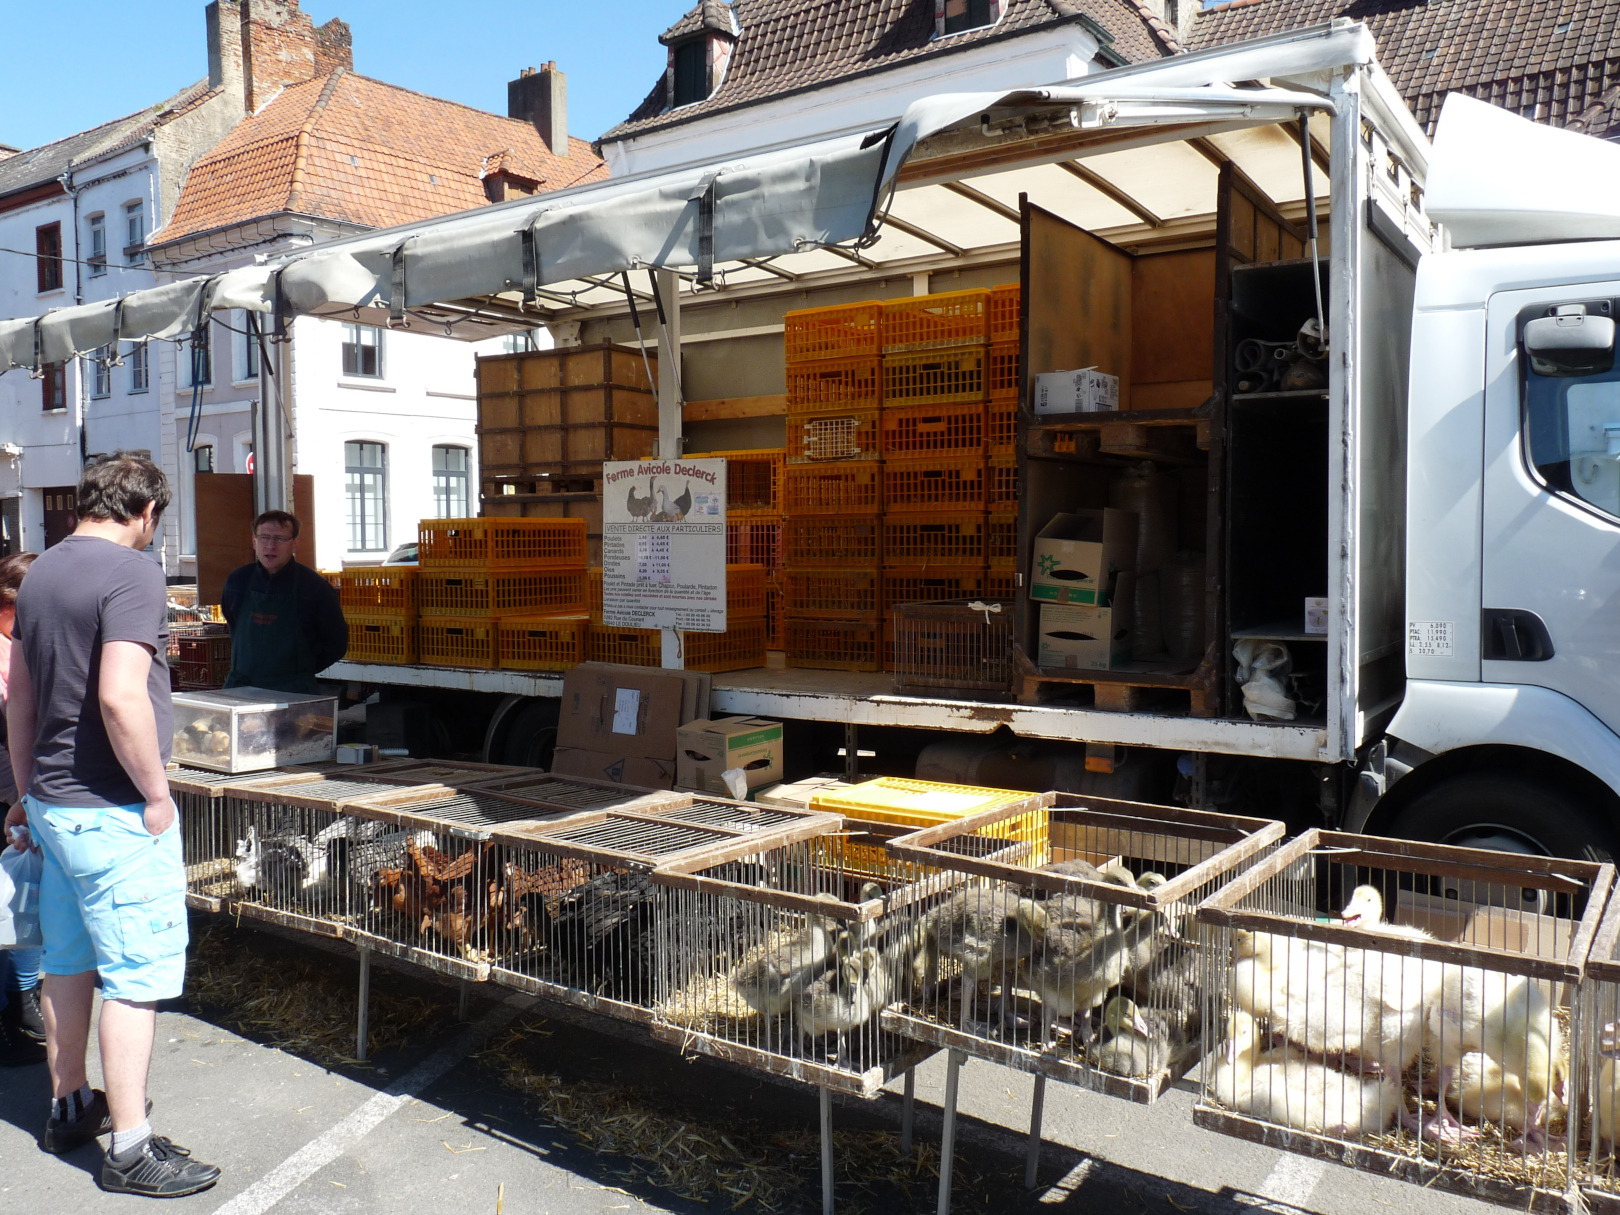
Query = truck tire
x=532 y=736
x=1510 y=812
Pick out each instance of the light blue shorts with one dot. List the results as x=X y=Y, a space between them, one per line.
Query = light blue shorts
x=112 y=899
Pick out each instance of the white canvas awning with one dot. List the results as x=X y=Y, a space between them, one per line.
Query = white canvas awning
x=822 y=199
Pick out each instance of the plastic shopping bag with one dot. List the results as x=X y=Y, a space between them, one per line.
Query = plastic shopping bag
x=20 y=870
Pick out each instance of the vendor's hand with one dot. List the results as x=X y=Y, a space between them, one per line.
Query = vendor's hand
x=159 y=815
x=17 y=817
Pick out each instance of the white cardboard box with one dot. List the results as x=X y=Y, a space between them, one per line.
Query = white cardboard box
x=1083 y=638
x=1085 y=391
x=1316 y=614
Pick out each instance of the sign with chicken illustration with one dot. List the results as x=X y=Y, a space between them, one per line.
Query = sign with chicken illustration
x=664 y=545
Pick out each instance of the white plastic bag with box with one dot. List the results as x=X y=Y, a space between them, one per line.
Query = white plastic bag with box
x=20 y=871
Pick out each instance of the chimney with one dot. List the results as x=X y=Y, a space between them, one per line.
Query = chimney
x=278 y=48
x=542 y=98
x=224 y=19
x=334 y=47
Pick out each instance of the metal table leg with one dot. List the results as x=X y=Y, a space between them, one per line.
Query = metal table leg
x=852 y=754
x=1032 y=1164
x=362 y=1034
x=463 y=1000
x=908 y=1109
x=826 y=1153
x=947 y=1142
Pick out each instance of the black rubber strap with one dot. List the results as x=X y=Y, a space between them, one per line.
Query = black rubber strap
x=38 y=371
x=704 y=194
x=279 y=307
x=396 y=290
x=531 y=265
x=117 y=359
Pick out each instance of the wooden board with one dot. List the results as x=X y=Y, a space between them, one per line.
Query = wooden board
x=727 y=408
x=1172 y=329
x=224 y=506
x=1126 y=690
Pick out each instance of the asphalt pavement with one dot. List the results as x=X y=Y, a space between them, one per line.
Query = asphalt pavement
x=429 y=1128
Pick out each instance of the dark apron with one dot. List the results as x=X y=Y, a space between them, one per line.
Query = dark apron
x=268 y=648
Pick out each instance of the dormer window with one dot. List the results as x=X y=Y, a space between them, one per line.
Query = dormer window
x=691 y=71
x=959 y=16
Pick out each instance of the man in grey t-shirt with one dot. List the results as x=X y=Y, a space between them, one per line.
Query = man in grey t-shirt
x=90 y=725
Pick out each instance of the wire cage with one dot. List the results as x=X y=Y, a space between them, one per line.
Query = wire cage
x=1076 y=958
x=591 y=906
x=961 y=645
x=1403 y=1008
x=206 y=842
x=782 y=957
x=1596 y=1170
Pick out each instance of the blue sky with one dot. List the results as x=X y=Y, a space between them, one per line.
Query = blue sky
x=72 y=64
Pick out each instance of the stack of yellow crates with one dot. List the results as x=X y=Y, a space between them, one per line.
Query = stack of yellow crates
x=754 y=523
x=740 y=648
x=379 y=605
x=1000 y=443
x=832 y=488
x=502 y=593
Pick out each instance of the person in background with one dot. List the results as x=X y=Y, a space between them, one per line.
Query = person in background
x=22 y=1026
x=286 y=622
x=91 y=723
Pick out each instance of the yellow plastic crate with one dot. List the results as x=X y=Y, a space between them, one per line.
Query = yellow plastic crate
x=830 y=333
x=502 y=543
x=381 y=638
x=479 y=592
x=455 y=641
x=542 y=643
x=924 y=322
x=902 y=802
x=384 y=589
x=1004 y=309
x=753 y=481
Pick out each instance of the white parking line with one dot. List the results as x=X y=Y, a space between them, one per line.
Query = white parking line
x=1292 y=1180
x=327 y=1147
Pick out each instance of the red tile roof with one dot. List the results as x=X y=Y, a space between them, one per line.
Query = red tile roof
x=1557 y=61
x=348 y=148
x=789 y=46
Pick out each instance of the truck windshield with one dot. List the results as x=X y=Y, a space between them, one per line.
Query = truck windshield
x=1572 y=432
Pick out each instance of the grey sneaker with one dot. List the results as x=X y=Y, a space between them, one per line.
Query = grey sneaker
x=62 y=1136
x=160 y=1169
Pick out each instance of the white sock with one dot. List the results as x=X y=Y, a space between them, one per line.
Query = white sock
x=126 y=1143
x=71 y=1107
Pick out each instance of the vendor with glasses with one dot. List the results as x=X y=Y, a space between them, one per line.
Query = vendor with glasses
x=286 y=622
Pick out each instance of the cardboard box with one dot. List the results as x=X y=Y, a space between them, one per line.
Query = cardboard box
x=1085 y=391
x=630 y=770
x=1316 y=614
x=627 y=711
x=707 y=748
x=1078 y=557
x=1080 y=638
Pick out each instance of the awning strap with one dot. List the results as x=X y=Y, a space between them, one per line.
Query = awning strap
x=703 y=192
x=279 y=306
x=37 y=372
x=396 y=289
x=531 y=265
x=117 y=359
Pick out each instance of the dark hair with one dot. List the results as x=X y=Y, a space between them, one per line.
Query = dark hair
x=12 y=569
x=120 y=486
x=279 y=517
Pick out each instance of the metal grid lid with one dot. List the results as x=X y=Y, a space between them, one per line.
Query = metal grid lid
x=313 y=791
x=573 y=792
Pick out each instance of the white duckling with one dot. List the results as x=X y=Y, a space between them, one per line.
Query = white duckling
x=1488 y=1092
x=1285 y=1087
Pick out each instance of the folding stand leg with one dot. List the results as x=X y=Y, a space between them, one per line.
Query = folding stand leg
x=461 y=1004
x=1032 y=1164
x=826 y=1153
x=362 y=1033
x=852 y=754
x=947 y=1142
x=908 y=1107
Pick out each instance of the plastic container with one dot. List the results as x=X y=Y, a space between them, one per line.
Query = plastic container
x=753 y=481
x=830 y=333
x=833 y=645
x=930 y=584
x=930 y=322
x=383 y=638
x=934 y=483
x=745 y=592
x=848 y=487
x=740 y=648
x=834 y=594
x=633 y=647
x=902 y=801
x=914 y=431
x=1001 y=584
x=378 y=589
x=476 y=592
x=1005 y=303
x=1001 y=427
x=1001 y=484
x=833 y=436
x=201 y=661
x=828 y=540
x=456 y=641
x=251 y=729
x=843 y=383
x=1001 y=372
x=542 y=643
x=1001 y=545
x=750 y=542
x=934 y=377
x=946 y=538
x=502 y=543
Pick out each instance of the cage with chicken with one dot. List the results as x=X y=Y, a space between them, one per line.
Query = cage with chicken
x=1068 y=952
x=1596 y=1169
x=206 y=840
x=1404 y=1008
x=591 y=907
x=784 y=958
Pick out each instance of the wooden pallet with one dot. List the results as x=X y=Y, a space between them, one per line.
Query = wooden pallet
x=1170 y=435
x=1124 y=690
x=546 y=484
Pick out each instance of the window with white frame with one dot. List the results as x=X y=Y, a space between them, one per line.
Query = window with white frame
x=134 y=232
x=366 y=489
x=98 y=245
x=135 y=360
x=245 y=358
x=101 y=372
x=203 y=458
x=450 y=492
x=956 y=16
x=196 y=357
x=362 y=350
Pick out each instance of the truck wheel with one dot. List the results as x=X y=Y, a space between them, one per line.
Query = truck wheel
x=1508 y=812
x=532 y=736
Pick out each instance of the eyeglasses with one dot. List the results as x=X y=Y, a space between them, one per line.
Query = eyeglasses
x=263 y=539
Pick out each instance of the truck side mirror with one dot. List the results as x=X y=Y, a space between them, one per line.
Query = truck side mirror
x=1570 y=343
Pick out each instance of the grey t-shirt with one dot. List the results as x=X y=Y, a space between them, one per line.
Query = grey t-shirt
x=84 y=592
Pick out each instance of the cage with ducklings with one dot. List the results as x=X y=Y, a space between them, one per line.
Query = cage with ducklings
x=1596 y=1169
x=1067 y=947
x=1404 y=1008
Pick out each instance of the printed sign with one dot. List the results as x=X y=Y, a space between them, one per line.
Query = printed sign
x=664 y=544
x=1428 y=639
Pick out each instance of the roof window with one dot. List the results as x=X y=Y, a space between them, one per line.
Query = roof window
x=959 y=16
x=691 y=71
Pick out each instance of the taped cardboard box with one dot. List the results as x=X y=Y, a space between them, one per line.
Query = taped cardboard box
x=628 y=711
x=631 y=770
x=1084 y=391
x=708 y=748
x=1077 y=557
x=1086 y=638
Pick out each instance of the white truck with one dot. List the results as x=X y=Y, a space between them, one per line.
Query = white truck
x=1452 y=491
